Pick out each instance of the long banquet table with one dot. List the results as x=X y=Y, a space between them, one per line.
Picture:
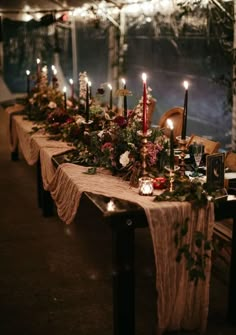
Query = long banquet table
x=180 y=304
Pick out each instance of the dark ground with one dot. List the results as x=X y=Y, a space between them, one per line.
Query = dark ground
x=56 y=279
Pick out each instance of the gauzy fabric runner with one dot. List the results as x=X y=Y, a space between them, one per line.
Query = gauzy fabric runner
x=180 y=304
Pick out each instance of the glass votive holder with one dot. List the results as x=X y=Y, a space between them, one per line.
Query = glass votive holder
x=145 y=186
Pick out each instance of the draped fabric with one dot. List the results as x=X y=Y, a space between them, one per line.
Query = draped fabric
x=180 y=304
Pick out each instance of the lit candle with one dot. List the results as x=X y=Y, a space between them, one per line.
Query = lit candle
x=54 y=77
x=144 y=77
x=72 y=88
x=125 y=97
x=90 y=89
x=110 y=98
x=184 y=126
x=87 y=102
x=28 y=81
x=64 y=90
x=38 y=68
x=145 y=186
x=171 y=126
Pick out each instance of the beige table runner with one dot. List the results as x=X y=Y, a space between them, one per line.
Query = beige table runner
x=180 y=305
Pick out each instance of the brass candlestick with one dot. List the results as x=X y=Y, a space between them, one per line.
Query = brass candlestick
x=172 y=176
x=182 y=144
x=144 y=150
x=87 y=131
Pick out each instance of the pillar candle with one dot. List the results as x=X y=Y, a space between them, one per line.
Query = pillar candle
x=184 y=125
x=171 y=126
x=72 y=88
x=54 y=78
x=125 y=98
x=65 y=106
x=110 y=97
x=144 y=77
x=28 y=81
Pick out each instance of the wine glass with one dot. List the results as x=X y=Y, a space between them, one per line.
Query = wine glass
x=197 y=151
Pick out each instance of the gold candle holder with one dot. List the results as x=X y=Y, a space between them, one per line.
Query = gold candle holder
x=87 y=131
x=144 y=150
x=182 y=145
x=172 y=176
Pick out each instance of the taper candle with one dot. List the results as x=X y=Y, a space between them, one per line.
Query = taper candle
x=110 y=97
x=184 y=125
x=65 y=106
x=125 y=97
x=90 y=89
x=171 y=126
x=87 y=102
x=28 y=81
x=54 y=78
x=144 y=77
x=38 y=68
x=72 y=88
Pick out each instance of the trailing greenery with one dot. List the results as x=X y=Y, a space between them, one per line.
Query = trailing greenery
x=196 y=254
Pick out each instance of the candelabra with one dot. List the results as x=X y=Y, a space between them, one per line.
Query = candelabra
x=182 y=144
x=144 y=150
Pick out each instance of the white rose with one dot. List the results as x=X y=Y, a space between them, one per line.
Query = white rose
x=52 y=105
x=124 y=158
x=79 y=120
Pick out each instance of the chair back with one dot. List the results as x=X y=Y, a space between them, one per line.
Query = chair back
x=176 y=116
x=210 y=146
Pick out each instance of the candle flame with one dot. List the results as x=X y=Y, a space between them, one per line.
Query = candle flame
x=111 y=206
x=123 y=81
x=89 y=83
x=170 y=124
x=144 y=77
x=109 y=86
x=27 y=72
x=38 y=60
x=44 y=69
x=53 y=67
x=185 y=84
x=64 y=89
x=71 y=81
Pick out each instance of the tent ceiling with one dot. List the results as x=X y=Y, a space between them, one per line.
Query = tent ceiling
x=44 y=5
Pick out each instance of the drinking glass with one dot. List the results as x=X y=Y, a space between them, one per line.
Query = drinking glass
x=197 y=152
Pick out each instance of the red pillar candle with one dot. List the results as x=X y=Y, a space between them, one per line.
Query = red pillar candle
x=110 y=97
x=72 y=88
x=28 y=81
x=125 y=98
x=171 y=126
x=65 y=106
x=54 y=78
x=144 y=77
x=184 y=125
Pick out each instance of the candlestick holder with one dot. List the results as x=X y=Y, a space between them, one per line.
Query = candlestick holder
x=144 y=150
x=87 y=131
x=172 y=176
x=182 y=145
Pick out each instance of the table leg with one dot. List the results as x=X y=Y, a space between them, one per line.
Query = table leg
x=232 y=279
x=45 y=201
x=123 y=281
x=15 y=155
